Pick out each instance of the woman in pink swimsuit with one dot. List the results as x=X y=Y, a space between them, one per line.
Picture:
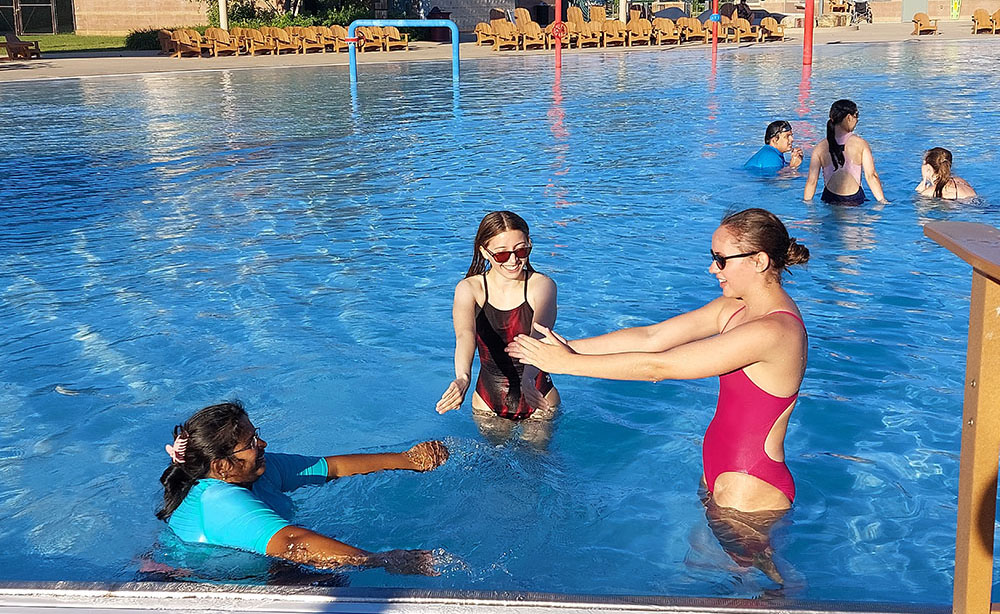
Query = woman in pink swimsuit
x=842 y=157
x=752 y=337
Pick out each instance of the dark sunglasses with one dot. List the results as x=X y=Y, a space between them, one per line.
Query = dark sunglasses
x=501 y=257
x=254 y=443
x=720 y=261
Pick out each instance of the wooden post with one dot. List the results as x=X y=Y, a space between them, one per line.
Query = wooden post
x=979 y=245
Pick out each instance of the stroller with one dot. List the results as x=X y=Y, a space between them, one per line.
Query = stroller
x=861 y=11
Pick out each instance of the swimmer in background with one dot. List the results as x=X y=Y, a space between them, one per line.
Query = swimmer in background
x=753 y=338
x=937 y=180
x=492 y=305
x=842 y=157
x=778 y=140
x=221 y=489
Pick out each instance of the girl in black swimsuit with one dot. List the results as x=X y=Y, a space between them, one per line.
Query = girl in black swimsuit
x=501 y=297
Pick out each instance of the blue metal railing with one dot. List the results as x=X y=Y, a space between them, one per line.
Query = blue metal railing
x=401 y=23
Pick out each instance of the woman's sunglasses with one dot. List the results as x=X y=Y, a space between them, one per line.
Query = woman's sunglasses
x=720 y=261
x=254 y=443
x=502 y=257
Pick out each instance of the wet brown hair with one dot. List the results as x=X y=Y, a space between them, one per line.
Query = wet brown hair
x=838 y=111
x=495 y=223
x=939 y=159
x=761 y=230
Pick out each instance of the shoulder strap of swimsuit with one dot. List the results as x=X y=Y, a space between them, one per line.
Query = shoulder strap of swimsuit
x=486 y=289
x=731 y=318
x=789 y=313
x=527 y=274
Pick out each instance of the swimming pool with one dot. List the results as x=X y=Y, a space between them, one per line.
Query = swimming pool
x=173 y=240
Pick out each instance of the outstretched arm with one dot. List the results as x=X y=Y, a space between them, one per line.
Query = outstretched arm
x=463 y=315
x=304 y=546
x=815 y=164
x=698 y=324
x=421 y=457
x=741 y=347
x=868 y=165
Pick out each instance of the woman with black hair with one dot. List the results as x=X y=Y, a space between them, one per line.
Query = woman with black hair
x=221 y=489
x=842 y=157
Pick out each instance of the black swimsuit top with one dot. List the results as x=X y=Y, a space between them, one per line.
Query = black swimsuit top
x=499 y=382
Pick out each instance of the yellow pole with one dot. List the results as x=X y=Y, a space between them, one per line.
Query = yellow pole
x=979 y=245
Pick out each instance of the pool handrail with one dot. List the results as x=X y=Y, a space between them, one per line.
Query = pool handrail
x=352 y=57
x=979 y=245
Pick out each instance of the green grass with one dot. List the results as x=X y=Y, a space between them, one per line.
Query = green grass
x=72 y=42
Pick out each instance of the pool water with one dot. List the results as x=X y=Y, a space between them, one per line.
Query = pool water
x=169 y=241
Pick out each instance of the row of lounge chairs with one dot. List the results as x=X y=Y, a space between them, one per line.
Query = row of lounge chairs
x=273 y=41
x=982 y=23
x=602 y=32
x=18 y=49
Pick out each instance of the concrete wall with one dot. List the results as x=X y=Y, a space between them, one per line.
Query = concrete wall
x=467 y=13
x=122 y=16
x=941 y=9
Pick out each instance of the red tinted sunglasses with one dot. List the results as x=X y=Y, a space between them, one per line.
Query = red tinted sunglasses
x=501 y=257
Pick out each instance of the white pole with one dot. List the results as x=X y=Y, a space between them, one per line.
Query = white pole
x=623 y=10
x=223 y=15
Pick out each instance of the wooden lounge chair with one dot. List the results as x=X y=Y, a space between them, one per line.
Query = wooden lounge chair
x=742 y=30
x=531 y=33
x=336 y=36
x=771 y=30
x=923 y=24
x=981 y=22
x=567 y=39
x=665 y=31
x=589 y=33
x=394 y=39
x=19 y=49
x=310 y=40
x=506 y=35
x=598 y=14
x=995 y=18
x=256 y=42
x=166 y=44
x=839 y=6
x=484 y=34
x=371 y=38
x=639 y=31
x=197 y=38
x=219 y=41
x=280 y=39
x=613 y=33
x=183 y=45
x=691 y=29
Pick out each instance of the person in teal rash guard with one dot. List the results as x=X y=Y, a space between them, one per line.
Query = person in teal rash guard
x=221 y=489
x=778 y=141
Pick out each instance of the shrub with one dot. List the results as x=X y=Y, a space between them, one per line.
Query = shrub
x=148 y=38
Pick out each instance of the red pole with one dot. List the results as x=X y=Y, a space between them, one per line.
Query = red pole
x=715 y=28
x=807 y=39
x=557 y=32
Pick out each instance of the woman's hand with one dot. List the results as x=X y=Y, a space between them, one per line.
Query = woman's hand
x=427 y=455
x=548 y=353
x=531 y=395
x=454 y=396
x=413 y=562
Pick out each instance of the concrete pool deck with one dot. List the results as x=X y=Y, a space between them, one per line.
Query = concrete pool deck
x=103 y=64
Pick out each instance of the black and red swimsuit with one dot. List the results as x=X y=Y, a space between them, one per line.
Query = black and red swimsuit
x=499 y=381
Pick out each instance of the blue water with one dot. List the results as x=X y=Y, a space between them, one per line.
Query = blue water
x=168 y=241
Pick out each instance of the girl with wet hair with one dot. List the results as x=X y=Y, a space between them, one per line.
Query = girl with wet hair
x=221 y=489
x=937 y=180
x=843 y=156
x=502 y=296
